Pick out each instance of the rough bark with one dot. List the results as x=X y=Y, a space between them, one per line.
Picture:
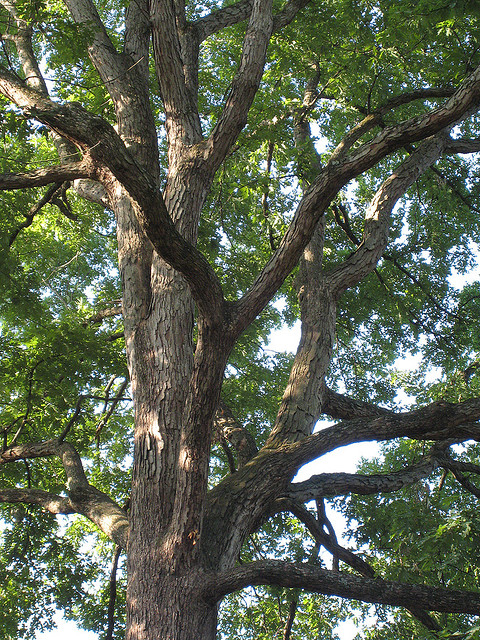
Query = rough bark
x=344 y=585
x=183 y=542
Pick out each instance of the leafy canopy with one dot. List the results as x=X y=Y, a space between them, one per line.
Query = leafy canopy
x=58 y=270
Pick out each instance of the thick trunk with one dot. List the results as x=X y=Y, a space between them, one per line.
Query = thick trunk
x=159 y=317
x=160 y=353
x=173 y=612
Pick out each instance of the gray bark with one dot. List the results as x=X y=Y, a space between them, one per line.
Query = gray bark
x=183 y=541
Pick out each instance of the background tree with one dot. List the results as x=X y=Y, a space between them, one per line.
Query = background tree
x=167 y=146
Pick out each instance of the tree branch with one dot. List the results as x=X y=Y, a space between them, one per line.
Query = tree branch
x=110 y=312
x=125 y=76
x=112 y=594
x=377 y=216
x=222 y=18
x=438 y=421
x=113 y=404
x=292 y=610
x=456 y=468
x=411 y=96
x=244 y=85
x=83 y=497
x=333 y=583
x=342 y=407
x=323 y=539
x=375 y=118
x=288 y=13
x=48 y=501
x=34 y=79
x=23 y=43
x=330 y=543
x=240 y=11
x=337 y=173
x=105 y=57
x=47 y=175
x=29 y=217
x=181 y=112
x=229 y=429
x=463 y=145
x=336 y=484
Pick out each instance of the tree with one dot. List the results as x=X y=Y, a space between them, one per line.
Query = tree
x=186 y=130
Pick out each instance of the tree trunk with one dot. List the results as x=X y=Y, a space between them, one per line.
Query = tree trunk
x=159 y=318
x=170 y=608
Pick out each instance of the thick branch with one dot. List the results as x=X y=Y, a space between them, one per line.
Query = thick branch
x=230 y=430
x=377 y=217
x=222 y=18
x=137 y=35
x=411 y=96
x=333 y=583
x=240 y=11
x=336 y=484
x=48 y=175
x=336 y=174
x=375 y=118
x=92 y=191
x=303 y=397
x=438 y=421
x=23 y=43
x=125 y=76
x=107 y=60
x=111 y=312
x=48 y=501
x=83 y=497
x=463 y=145
x=343 y=407
x=249 y=493
x=181 y=111
x=245 y=84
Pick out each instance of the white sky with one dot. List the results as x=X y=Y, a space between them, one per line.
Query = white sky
x=66 y=631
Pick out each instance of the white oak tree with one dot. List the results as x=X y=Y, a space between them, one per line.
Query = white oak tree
x=168 y=105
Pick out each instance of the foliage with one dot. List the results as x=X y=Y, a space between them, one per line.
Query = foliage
x=58 y=268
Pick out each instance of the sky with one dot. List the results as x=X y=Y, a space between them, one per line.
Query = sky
x=66 y=631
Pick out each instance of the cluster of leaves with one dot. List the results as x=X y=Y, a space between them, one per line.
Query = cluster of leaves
x=40 y=570
x=426 y=533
